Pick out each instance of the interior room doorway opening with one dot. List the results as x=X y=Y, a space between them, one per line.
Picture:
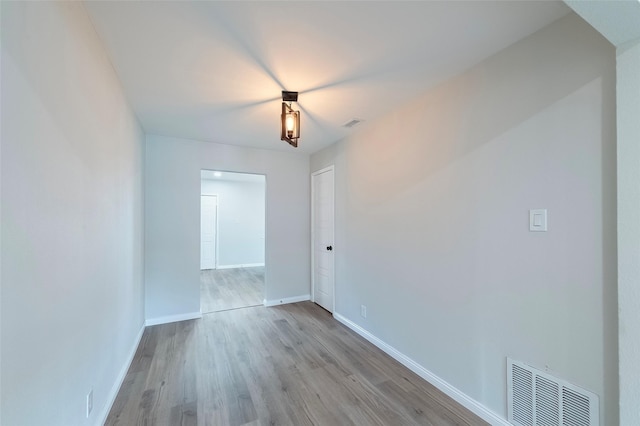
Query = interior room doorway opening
x=232 y=240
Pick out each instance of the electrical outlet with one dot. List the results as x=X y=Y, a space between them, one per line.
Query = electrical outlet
x=363 y=311
x=89 y=402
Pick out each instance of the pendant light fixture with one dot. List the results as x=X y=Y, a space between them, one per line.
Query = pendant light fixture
x=290 y=119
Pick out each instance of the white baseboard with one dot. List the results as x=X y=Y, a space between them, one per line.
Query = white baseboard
x=243 y=265
x=111 y=398
x=460 y=397
x=173 y=318
x=286 y=300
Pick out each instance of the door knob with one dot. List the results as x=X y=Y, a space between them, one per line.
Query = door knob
x=329 y=248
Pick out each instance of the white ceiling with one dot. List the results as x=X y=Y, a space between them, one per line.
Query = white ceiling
x=214 y=71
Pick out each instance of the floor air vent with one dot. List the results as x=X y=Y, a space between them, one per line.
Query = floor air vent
x=536 y=398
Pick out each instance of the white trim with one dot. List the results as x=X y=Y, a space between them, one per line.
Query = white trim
x=330 y=168
x=242 y=265
x=286 y=300
x=173 y=318
x=326 y=169
x=217 y=242
x=119 y=380
x=460 y=397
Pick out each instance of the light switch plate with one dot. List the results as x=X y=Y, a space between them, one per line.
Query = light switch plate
x=538 y=220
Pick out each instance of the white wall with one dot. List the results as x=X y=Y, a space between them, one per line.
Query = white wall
x=72 y=152
x=628 y=107
x=172 y=225
x=241 y=224
x=432 y=219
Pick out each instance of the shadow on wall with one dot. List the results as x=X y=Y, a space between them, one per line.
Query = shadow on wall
x=466 y=112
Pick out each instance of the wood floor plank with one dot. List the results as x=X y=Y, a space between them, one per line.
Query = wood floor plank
x=224 y=289
x=285 y=365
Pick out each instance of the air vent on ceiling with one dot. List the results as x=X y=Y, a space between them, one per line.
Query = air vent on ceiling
x=351 y=123
x=536 y=398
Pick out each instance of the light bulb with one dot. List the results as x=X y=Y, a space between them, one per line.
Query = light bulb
x=289 y=123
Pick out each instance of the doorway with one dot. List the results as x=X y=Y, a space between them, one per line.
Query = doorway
x=322 y=210
x=232 y=235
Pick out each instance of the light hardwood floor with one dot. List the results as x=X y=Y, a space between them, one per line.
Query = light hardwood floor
x=223 y=289
x=286 y=365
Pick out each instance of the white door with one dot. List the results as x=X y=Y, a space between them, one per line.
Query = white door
x=323 y=245
x=208 y=225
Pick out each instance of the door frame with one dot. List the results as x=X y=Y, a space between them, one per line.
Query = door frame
x=330 y=168
x=215 y=243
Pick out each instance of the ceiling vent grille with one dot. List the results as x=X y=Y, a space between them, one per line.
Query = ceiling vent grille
x=536 y=398
x=352 y=123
